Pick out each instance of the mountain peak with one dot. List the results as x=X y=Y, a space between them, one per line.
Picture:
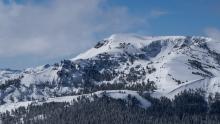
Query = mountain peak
x=132 y=43
x=174 y=63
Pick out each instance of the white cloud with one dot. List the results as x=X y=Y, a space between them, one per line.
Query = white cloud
x=60 y=28
x=213 y=33
x=158 y=13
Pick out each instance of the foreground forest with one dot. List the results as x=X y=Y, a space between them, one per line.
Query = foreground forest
x=188 y=107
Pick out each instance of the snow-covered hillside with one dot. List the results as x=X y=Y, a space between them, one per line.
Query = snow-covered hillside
x=180 y=62
x=173 y=63
x=115 y=94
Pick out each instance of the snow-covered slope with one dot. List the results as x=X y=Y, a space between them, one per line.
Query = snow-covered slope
x=115 y=94
x=180 y=62
x=173 y=63
x=6 y=74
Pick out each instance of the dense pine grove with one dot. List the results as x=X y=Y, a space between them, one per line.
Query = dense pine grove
x=189 y=107
x=141 y=87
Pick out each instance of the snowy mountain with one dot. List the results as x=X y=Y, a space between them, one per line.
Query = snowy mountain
x=173 y=63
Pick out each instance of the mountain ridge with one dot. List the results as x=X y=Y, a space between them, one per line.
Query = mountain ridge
x=173 y=63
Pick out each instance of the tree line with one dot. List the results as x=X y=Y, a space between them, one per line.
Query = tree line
x=188 y=107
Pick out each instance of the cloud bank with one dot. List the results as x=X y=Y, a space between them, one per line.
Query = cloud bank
x=213 y=33
x=60 y=28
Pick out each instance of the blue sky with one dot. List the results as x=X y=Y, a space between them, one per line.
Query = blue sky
x=181 y=17
x=35 y=32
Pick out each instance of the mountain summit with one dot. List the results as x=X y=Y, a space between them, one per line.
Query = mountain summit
x=171 y=63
